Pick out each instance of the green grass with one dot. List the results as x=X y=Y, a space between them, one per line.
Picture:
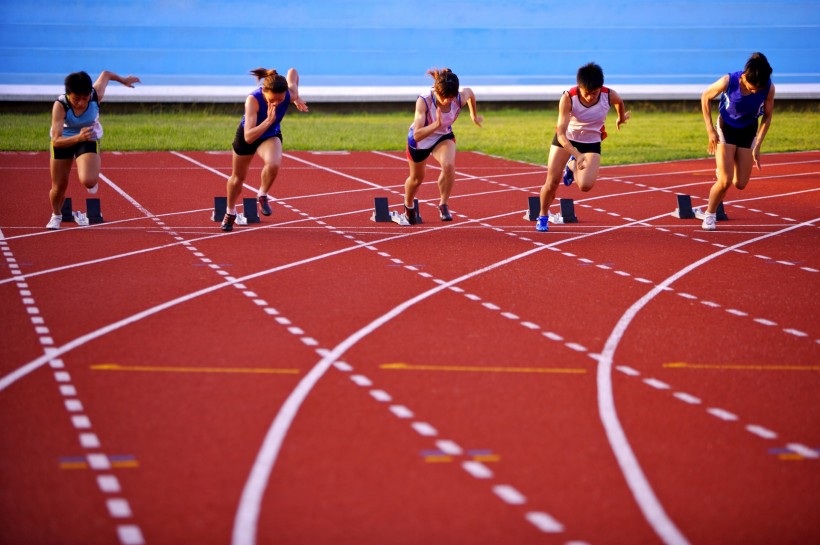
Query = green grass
x=651 y=135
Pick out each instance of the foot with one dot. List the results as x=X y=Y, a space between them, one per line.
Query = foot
x=227 y=222
x=542 y=223
x=569 y=175
x=263 y=203
x=709 y=222
x=92 y=190
x=55 y=222
x=444 y=213
x=410 y=213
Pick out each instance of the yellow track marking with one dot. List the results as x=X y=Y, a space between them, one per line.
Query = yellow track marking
x=682 y=365
x=153 y=369
x=457 y=368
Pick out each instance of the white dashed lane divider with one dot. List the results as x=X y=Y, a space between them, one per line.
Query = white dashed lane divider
x=128 y=532
x=719 y=413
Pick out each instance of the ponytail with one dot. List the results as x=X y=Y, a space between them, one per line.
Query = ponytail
x=271 y=80
x=445 y=82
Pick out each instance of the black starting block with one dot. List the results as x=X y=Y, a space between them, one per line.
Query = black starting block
x=533 y=208
x=684 y=210
x=568 y=211
x=220 y=207
x=66 y=211
x=93 y=211
x=720 y=213
x=249 y=206
x=381 y=210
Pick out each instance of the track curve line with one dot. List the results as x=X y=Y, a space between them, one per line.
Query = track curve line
x=648 y=503
x=247 y=514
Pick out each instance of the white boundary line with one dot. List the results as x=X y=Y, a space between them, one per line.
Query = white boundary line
x=639 y=485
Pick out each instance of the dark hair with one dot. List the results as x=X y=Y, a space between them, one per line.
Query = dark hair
x=271 y=80
x=446 y=82
x=590 y=77
x=758 y=71
x=78 y=83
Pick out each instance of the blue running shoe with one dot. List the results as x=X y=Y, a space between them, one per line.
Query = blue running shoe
x=542 y=223
x=569 y=176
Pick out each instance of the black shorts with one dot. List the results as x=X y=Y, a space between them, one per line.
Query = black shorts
x=583 y=147
x=240 y=147
x=75 y=150
x=742 y=138
x=420 y=155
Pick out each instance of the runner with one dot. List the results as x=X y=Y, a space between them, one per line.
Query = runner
x=735 y=143
x=432 y=134
x=259 y=133
x=76 y=133
x=575 y=153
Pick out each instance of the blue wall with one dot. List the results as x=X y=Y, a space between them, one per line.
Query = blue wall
x=393 y=42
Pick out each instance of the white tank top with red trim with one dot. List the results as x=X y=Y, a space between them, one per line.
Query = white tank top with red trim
x=586 y=123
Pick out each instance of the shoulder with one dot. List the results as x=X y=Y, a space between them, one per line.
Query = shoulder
x=62 y=101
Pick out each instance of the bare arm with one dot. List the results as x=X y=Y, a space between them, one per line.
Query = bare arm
x=420 y=132
x=57 y=121
x=765 y=123
x=252 y=130
x=706 y=98
x=106 y=76
x=468 y=94
x=293 y=87
x=618 y=103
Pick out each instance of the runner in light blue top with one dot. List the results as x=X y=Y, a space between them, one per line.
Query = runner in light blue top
x=735 y=142
x=75 y=135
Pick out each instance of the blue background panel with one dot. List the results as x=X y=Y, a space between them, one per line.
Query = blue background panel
x=391 y=42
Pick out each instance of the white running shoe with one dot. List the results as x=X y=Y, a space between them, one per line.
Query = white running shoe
x=93 y=190
x=709 y=222
x=81 y=219
x=54 y=223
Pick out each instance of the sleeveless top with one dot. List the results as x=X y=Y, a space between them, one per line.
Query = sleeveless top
x=447 y=120
x=89 y=118
x=738 y=110
x=586 y=123
x=262 y=114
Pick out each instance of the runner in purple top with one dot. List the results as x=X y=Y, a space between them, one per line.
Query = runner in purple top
x=259 y=133
x=735 y=142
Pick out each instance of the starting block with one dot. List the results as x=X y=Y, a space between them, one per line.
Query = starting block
x=92 y=216
x=66 y=210
x=566 y=215
x=382 y=213
x=251 y=213
x=93 y=211
x=220 y=207
x=381 y=210
x=533 y=208
x=684 y=210
x=720 y=213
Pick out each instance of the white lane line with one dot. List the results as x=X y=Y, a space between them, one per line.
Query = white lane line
x=509 y=494
x=760 y=431
x=545 y=522
x=477 y=469
x=642 y=491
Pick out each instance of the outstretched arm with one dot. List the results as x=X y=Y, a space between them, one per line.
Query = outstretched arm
x=293 y=87
x=106 y=76
x=765 y=123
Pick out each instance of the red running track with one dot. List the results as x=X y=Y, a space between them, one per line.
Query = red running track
x=323 y=379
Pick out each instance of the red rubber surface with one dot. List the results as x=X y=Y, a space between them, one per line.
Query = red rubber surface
x=494 y=420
